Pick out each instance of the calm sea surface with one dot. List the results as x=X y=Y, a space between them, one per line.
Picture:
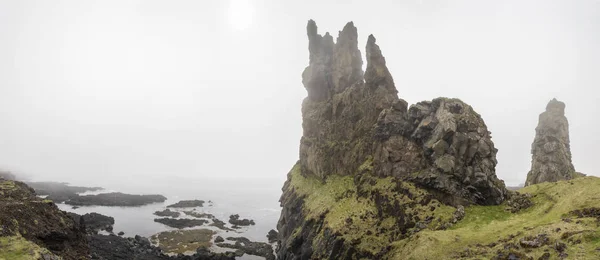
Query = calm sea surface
x=255 y=199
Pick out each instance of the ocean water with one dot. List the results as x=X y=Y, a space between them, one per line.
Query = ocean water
x=256 y=199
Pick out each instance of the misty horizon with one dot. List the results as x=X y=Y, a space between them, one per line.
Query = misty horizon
x=96 y=92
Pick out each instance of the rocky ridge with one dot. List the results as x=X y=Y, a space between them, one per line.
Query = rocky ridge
x=27 y=221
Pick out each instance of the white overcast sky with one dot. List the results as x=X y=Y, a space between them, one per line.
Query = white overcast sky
x=105 y=89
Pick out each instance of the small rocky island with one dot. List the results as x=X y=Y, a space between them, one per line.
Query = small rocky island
x=167 y=213
x=187 y=204
x=181 y=222
x=236 y=221
x=115 y=199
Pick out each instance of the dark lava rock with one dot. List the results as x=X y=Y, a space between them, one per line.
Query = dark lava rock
x=39 y=221
x=121 y=233
x=219 y=239
x=167 y=213
x=93 y=222
x=220 y=224
x=113 y=247
x=187 y=204
x=115 y=199
x=59 y=191
x=587 y=213
x=272 y=236
x=235 y=220
x=248 y=247
x=181 y=223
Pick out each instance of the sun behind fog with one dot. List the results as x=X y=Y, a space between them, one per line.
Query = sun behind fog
x=241 y=13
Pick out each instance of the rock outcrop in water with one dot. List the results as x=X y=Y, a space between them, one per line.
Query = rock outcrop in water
x=115 y=199
x=371 y=169
x=551 y=149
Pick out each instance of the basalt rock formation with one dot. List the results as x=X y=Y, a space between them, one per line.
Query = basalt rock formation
x=32 y=228
x=551 y=150
x=371 y=169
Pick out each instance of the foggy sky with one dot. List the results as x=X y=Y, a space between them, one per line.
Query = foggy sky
x=101 y=90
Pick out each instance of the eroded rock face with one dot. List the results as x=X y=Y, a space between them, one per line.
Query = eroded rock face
x=349 y=119
x=443 y=145
x=551 y=151
x=355 y=125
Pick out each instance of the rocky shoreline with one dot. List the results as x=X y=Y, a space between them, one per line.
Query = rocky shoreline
x=91 y=234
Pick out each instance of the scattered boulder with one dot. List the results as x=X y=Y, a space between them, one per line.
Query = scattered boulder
x=167 y=213
x=121 y=233
x=248 y=247
x=235 y=220
x=219 y=239
x=187 y=204
x=534 y=242
x=181 y=223
x=517 y=201
x=459 y=214
x=115 y=199
x=272 y=236
x=551 y=149
x=592 y=212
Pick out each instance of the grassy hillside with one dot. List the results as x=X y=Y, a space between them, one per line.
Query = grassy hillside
x=17 y=247
x=550 y=229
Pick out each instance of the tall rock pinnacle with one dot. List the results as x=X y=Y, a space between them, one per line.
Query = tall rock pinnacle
x=351 y=118
x=551 y=151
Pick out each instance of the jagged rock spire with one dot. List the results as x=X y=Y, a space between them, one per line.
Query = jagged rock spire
x=351 y=118
x=551 y=151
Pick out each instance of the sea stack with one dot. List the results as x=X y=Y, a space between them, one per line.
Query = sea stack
x=551 y=151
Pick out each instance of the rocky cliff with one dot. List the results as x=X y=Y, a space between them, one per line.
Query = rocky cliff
x=373 y=170
x=551 y=150
x=33 y=228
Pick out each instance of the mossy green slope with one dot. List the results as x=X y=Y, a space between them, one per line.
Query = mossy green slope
x=17 y=248
x=491 y=231
x=367 y=211
x=352 y=209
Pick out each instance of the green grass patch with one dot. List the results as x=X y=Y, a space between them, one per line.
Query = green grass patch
x=484 y=225
x=17 y=247
x=355 y=217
